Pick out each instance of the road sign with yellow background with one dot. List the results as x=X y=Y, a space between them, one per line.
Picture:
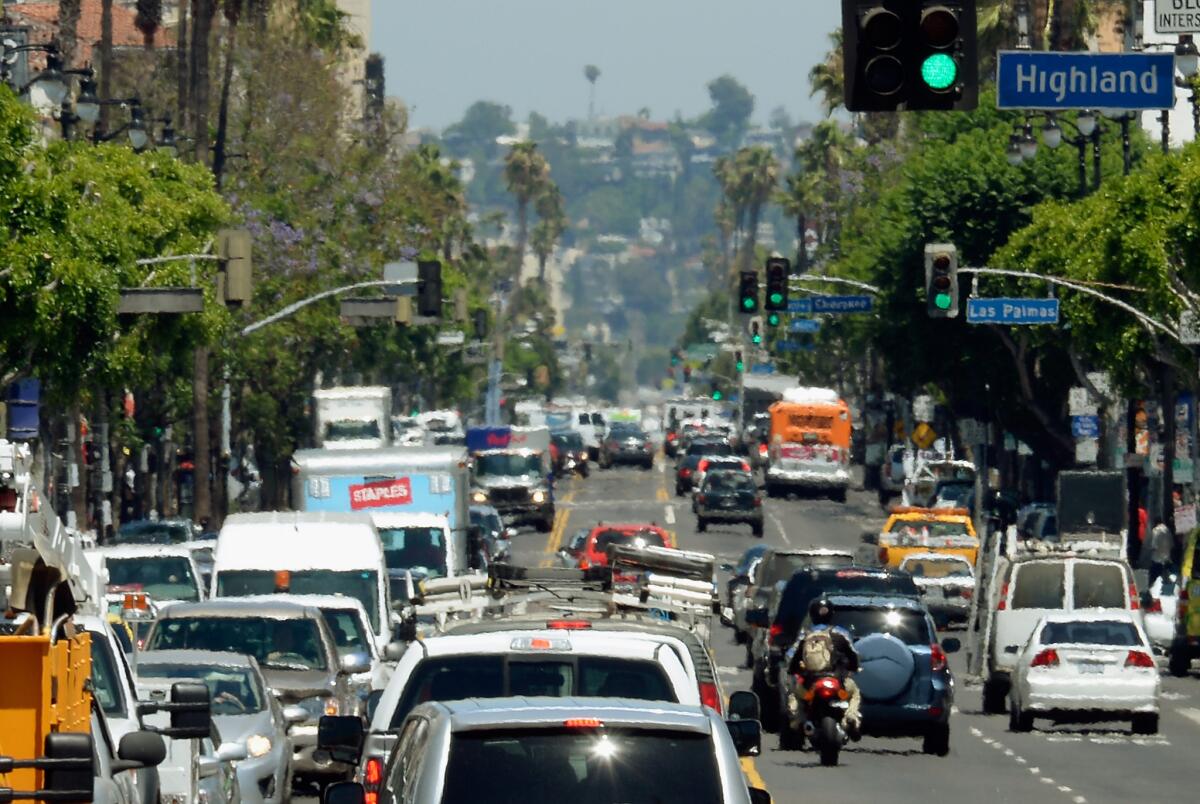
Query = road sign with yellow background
x=924 y=436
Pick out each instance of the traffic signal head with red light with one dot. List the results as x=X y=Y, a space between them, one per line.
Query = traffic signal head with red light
x=737 y=360
x=429 y=288
x=910 y=55
x=941 y=280
x=748 y=292
x=778 y=269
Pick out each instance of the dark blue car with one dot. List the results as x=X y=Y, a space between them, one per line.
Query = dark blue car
x=905 y=678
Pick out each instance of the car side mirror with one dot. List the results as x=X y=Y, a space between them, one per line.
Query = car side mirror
x=758 y=618
x=406 y=631
x=759 y=796
x=294 y=714
x=727 y=616
x=747 y=736
x=394 y=651
x=343 y=793
x=341 y=736
x=354 y=663
x=140 y=749
x=190 y=707
x=744 y=705
x=73 y=770
x=232 y=752
x=951 y=644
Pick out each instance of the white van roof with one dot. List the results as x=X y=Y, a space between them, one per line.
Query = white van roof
x=293 y=540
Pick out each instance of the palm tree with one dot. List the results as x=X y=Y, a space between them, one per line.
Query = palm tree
x=758 y=174
x=68 y=24
x=591 y=72
x=149 y=18
x=525 y=174
x=233 y=14
x=828 y=78
x=733 y=202
x=552 y=222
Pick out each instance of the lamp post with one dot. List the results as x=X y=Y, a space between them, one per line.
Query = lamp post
x=1187 y=62
x=1023 y=145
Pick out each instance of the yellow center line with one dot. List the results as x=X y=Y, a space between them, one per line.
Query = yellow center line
x=662 y=494
x=752 y=775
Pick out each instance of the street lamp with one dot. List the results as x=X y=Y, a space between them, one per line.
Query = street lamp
x=1022 y=11
x=87 y=104
x=1187 y=57
x=1052 y=135
x=1028 y=146
x=166 y=141
x=1014 y=149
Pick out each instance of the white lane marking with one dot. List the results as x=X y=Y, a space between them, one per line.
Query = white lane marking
x=728 y=671
x=662 y=466
x=669 y=515
x=1046 y=780
x=1019 y=760
x=1034 y=771
x=954 y=709
x=976 y=732
x=1062 y=788
x=1190 y=713
x=988 y=740
x=1173 y=696
x=1079 y=800
x=1008 y=752
x=779 y=526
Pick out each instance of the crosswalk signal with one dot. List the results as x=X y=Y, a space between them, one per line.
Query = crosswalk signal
x=778 y=269
x=429 y=288
x=756 y=336
x=941 y=280
x=748 y=292
x=910 y=55
x=737 y=360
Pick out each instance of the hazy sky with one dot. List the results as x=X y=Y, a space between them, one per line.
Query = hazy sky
x=442 y=55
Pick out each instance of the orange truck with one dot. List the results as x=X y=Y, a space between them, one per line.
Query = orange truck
x=809 y=446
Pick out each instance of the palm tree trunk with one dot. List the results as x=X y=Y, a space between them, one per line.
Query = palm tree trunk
x=542 y=268
x=202 y=16
x=68 y=25
x=522 y=235
x=219 y=147
x=202 y=494
x=182 y=70
x=802 y=246
x=106 y=41
x=751 y=238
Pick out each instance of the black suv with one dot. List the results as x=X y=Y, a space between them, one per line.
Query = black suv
x=626 y=443
x=776 y=628
x=729 y=496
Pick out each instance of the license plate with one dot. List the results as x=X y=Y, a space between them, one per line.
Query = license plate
x=1091 y=667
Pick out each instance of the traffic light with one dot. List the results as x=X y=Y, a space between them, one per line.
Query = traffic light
x=773 y=319
x=910 y=55
x=687 y=373
x=429 y=288
x=737 y=360
x=778 y=269
x=748 y=292
x=716 y=393
x=674 y=357
x=481 y=324
x=756 y=337
x=941 y=280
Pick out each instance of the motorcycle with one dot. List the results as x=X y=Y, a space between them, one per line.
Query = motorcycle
x=824 y=706
x=575 y=463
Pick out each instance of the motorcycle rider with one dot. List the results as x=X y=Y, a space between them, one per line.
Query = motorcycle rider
x=843 y=662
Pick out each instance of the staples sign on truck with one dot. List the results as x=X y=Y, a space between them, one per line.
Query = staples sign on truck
x=381 y=494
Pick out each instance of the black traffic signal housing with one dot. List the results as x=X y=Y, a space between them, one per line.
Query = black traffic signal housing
x=941 y=280
x=429 y=288
x=480 y=321
x=778 y=269
x=687 y=373
x=748 y=292
x=756 y=333
x=910 y=55
x=738 y=363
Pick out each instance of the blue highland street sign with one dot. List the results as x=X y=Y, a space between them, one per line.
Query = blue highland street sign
x=1036 y=79
x=1012 y=311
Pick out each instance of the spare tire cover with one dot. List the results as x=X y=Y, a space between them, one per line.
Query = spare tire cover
x=886 y=666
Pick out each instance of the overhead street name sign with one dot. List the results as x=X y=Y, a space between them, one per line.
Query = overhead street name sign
x=805 y=325
x=1177 y=16
x=1012 y=311
x=800 y=306
x=794 y=346
x=830 y=304
x=1035 y=79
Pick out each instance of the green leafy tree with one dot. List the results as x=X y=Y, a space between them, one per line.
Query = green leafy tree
x=732 y=105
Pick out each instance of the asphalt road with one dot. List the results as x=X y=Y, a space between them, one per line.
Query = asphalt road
x=1063 y=764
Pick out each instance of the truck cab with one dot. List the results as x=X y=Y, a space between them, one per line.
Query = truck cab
x=511 y=472
x=809 y=446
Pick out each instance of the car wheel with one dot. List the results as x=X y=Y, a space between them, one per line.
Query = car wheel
x=1145 y=724
x=648 y=465
x=838 y=495
x=757 y=529
x=739 y=636
x=678 y=490
x=545 y=525
x=994 y=697
x=1018 y=719
x=1179 y=663
x=701 y=524
x=937 y=740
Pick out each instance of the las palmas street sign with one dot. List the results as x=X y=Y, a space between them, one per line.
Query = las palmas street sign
x=1012 y=311
x=1034 y=79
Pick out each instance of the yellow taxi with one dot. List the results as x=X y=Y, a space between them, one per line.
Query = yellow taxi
x=927 y=530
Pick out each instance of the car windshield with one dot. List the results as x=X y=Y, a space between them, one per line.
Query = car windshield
x=710 y=448
x=490 y=522
x=910 y=627
x=1098 y=586
x=626 y=431
x=161 y=577
x=936 y=568
x=362 y=585
x=153 y=533
x=730 y=481
x=639 y=538
x=455 y=678
x=583 y=765
x=936 y=528
x=234 y=690
x=350 y=429
x=347 y=630
x=1091 y=632
x=278 y=644
x=568 y=441
x=104 y=678
x=1039 y=585
x=782 y=567
x=508 y=465
x=420 y=549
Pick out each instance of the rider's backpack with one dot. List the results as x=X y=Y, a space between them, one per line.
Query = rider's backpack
x=816 y=651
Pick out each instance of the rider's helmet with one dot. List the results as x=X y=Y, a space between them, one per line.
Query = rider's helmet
x=820 y=611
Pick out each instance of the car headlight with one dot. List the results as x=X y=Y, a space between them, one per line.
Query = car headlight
x=539 y=496
x=317 y=706
x=257 y=745
x=479 y=496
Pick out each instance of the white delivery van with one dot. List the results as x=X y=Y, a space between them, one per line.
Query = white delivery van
x=357 y=417
x=305 y=553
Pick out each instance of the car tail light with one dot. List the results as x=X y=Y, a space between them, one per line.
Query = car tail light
x=883 y=555
x=967 y=592
x=762 y=449
x=745 y=466
x=685 y=472
x=583 y=723
x=703 y=466
x=1134 y=603
x=1139 y=658
x=700 y=499
x=373 y=772
x=937 y=658
x=1047 y=658
x=672 y=436
x=331 y=707
x=833 y=455
x=1003 y=603
x=649 y=446
x=1181 y=603
x=370 y=797
x=827 y=687
x=1154 y=606
x=775 y=632
x=568 y=625
x=709 y=695
x=757 y=502
x=584 y=563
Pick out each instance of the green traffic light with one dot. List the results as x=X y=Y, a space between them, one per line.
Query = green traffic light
x=773 y=319
x=717 y=396
x=757 y=339
x=939 y=71
x=776 y=298
x=747 y=303
x=942 y=301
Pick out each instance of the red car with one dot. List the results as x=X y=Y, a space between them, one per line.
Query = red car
x=595 y=549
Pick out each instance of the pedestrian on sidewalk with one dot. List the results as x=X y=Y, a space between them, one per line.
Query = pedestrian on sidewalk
x=1162 y=543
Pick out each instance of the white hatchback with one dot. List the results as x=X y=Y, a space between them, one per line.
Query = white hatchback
x=1083 y=667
